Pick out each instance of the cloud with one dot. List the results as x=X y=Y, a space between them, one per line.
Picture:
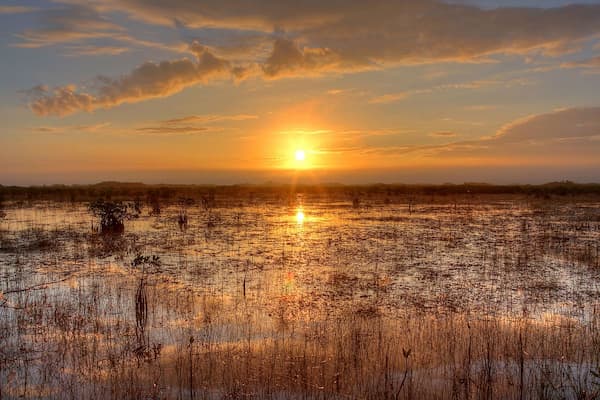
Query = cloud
x=259 y=15
x=17 y=9
x=67 y=25
x=566 y=123
x=287 y=58
x=70 y=128
x=89 y=50
x=86 y=32
x=149 y=80
x=593 y=62
x=61 y=101
x=172 y=130
x=481 y=107
x=191 y=124
x=209 y=118
x=521 y=3
x=381 y=31
x=443 y=134
x=565 y=135
x=398 y=96
x=412 y=32
x=242 y=46
x=188 y=125
x=309 y=38
x=472 y=85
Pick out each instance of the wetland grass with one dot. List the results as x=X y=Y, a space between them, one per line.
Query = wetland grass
x=389 y=300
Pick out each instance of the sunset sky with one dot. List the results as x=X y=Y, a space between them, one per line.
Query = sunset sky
x=228 y=91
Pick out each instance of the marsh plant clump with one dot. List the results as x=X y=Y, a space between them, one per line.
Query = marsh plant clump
x=401 y=298
x=112 y=214
x=154 y=203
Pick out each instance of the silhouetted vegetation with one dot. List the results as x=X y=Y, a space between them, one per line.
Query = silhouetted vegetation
x=209 y=195
x=112 y=215
x=182 y=216
x=2 y=213
x=154 y=202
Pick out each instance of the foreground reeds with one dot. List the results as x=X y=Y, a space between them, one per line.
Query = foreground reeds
x=101 y=342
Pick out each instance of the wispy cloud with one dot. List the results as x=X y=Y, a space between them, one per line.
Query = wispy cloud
x=71 y=128
x=562 y=136
x=472 y=85
x=560 y=124
x=204 y=119
x=398 y=96
x=443 y=134
x=593 y=62
x=85 y=31
x=173 y=130
x=306 y=132
x=183 y=126
x=553 y=135
x=68 y=25
x=17 y=9
x=91 y=50
x=192 y=124
x=481 y=107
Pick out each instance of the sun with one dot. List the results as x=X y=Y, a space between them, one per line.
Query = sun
x=300 y=155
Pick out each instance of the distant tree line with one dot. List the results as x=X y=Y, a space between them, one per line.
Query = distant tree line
x=166 y=194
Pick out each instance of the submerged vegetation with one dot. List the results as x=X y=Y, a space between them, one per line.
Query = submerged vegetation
x=224 y=293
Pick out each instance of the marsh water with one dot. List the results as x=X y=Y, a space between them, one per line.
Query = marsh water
x=76 y=310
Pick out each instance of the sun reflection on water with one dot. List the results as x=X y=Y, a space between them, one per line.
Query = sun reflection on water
x=299 y=216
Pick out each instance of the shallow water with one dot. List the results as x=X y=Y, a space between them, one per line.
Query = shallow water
x=500 y=258
x=247 y=273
